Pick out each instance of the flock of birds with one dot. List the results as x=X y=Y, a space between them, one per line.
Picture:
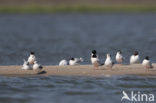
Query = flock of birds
x=31 y=63
x=134 y=59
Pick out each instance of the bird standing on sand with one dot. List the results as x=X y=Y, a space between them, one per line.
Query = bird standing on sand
x=135 y=59
x=37 y=66
x=26 y=65
x=108 y=62
x=63 y=62
x=32 y=58
x=94 y=59
x=75 y=61
x=119 y=58
x=147 y=63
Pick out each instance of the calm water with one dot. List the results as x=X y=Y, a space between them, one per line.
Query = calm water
x=60 y=36
x=72 y=89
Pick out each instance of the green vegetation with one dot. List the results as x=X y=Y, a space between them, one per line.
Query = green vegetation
x=78 y=8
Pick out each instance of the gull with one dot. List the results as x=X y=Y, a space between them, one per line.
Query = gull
x=119 y=58
x=37 y=66
x=63 y=62
x=75 y=61
x=135 y=59
x=108 y=62
x=32 y=58
x=95 y=61
x=147 y=63
x=26 y=65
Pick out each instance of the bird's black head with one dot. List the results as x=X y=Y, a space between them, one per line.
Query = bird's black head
x=94 y=56
x=147 y=58
x=119 y=51
x=94 y=51
x=135 y=53
x=32 y=53
x=72 y=59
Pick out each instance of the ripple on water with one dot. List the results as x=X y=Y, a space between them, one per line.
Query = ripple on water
x=71 y=89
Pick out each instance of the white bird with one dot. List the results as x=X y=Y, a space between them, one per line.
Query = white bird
x=108 y=62
x=147 y=63
x=135 y=59
x=95 y=61
x=32 y=58
x=119 y=58
x=26 y=65
x=37 y=66
x=75 y=61
x=63 y=62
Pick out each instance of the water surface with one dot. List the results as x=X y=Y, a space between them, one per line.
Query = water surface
x=55 y=89
x=61 y=36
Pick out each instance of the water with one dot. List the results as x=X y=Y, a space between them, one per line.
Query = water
x=61 y=36
x=72 y=89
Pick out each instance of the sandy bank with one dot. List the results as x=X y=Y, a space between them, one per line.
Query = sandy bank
x=81 y=70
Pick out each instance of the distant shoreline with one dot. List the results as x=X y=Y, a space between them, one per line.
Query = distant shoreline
x=77 y=9
x=80 y=70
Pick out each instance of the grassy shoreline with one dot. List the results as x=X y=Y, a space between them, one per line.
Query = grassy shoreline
x=77 y=8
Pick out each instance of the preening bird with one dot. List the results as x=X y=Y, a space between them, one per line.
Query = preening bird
x=26 y=65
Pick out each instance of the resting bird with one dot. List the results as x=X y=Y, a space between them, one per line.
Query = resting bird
x=32 y=58
x=26 y=65
x=119 y=58
x=135 y=59
x=147 y=63
x=37 y=66
x=95 y=61
x=63 y=62
x=108 y=62
x=75 y=61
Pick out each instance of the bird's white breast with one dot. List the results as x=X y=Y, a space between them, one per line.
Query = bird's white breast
x=72 y=62
x=134 y=59
x=119 y=58
x=147 y=63
x=108 y=61
x=35 y=66
x=94 y=60
x=31 y=59
x=26 y=67
x=63 y=63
